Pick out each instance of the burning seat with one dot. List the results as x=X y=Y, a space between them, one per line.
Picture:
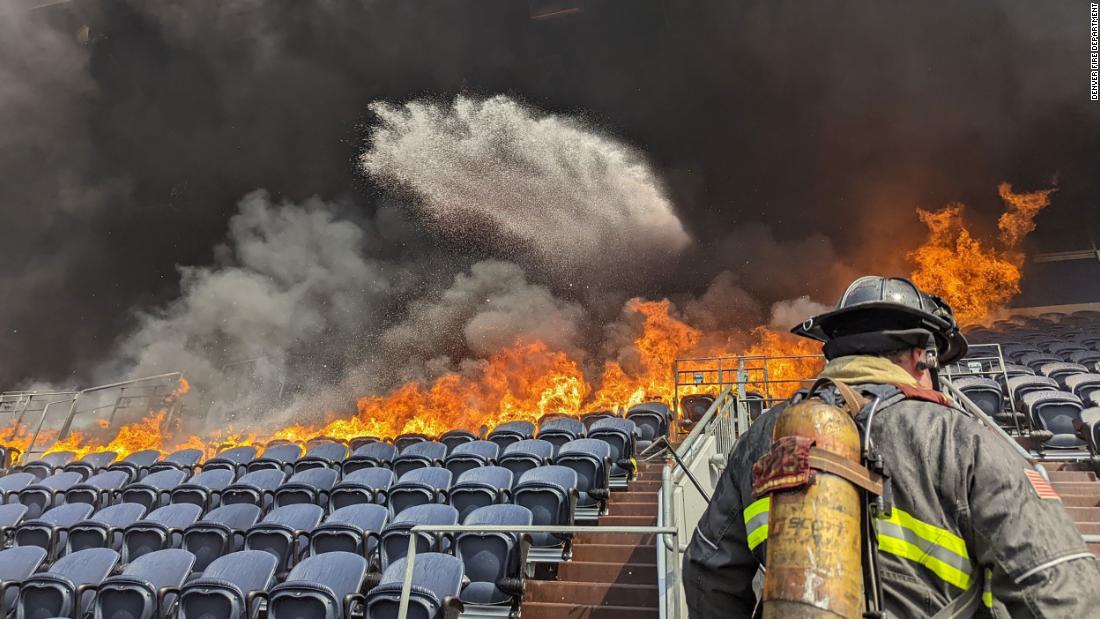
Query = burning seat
x=63 y=590
x=550 y=492
x=235 y=459
x=419 y=486
x=560 y=430
x=619 y=435
x=419 y=455
x=279 y=457
x=402 y=441
x=284 y=533
x=590 y=418
x=40 y=496
x=376 y=454
x=256 y=488
x=318 y=586
x=184 y=459
x=152 y=490
x=394 y=540
x=507 y=433
x=590 y=459
x=325 y=454
x=48 y=464
x=162 y=528
x=50 y=529
x=98 y=489
x=493 y=561
x=137 y=464
x=522 y=456
x=202 y=489
x=147 y=588
x=471 y=455
x=227 y=586
x=312 y=485
x=454 y=438
x=651 y=420
x=219 y=533
x=91 y=463
x=1058 y=412
x=354 y=528
x=362 y=486
x=693 y=407
x=104 y=529
x=436 y=583
x=480 y=487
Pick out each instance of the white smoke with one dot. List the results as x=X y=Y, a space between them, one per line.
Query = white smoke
x=785 y=315
x=583 y=204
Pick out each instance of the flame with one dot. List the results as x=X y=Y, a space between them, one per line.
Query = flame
x=976 y=278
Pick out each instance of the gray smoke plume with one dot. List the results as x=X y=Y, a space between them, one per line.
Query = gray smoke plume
x=495 y=167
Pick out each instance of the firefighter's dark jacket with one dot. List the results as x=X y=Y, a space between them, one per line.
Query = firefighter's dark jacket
x=965 y=514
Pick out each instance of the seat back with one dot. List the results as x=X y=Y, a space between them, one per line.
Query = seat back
x=53 y=593
x=16 y=564
x=97 y=489
x=454 y=438
x=354 y=528
x=234 y=459
x=202 y=488
x=281 y=457
x=327 y=454
x=435 y=578
x=369 y=485
x=185 y=459
x=150 y=490
x=136 y=593
x=311 y=485
x=100 y=531
x=548 y=491
x=471 y=455
x=984 y=392
x=419 y=486
x=507 y=433
x=222 y=590
x=1059 y=412
x=219 y=533
x=317 y=586
x=50 y=529
x=154 y=532
x=480 y=487
x=490 y=557
x=395 y=537
x=284 y=532
x=524 y=455
x=418 y=455
x=590 y=459
x=256 y=487
x=375 y=454
x=44 y=494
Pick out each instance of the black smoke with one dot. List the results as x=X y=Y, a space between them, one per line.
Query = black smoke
x=790 y=136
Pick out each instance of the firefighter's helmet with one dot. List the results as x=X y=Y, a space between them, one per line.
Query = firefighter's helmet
x=880 y=314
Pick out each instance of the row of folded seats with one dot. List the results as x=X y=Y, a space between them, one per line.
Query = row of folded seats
x=294 y=506
x=1050 y=381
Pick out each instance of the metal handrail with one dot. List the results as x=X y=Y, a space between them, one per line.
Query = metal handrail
x=76 y=400
x=410 y=556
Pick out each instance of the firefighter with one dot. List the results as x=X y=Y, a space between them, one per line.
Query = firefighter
x=968 y=533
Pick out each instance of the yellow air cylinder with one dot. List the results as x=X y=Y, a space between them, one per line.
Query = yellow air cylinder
x=814 y=563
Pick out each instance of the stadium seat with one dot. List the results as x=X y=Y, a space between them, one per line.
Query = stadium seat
x=12 y=483
x=418 y=455
x=694 y=407
x=62 y=591
x=11 y=514
x=91 y=463
x=1088 y=358
x=403 y=441
x=1058 y=412
x=1037 y=360
x=98 y=489
x=1081 y=385
x=279 y=457
x=984 y=392
x=354 y=528
x=507 y=433
x=1019 y=386
x=471 y=455
x=104 y=528
x=153 y=489
x=220 y=532
x=1089 y=428
x=493 y=562
x=147 y=588
x=325 y=454
x=418 y=487
x=454 y=438
x=257 y=488
x=16 y=565
x=619 y=434
x=480 y=487
x=184 y=459
x=48 y=464
x=317 y=587
x=50 y=530
x=358 y=441
x=161 y=528
x=550 y=492
x=370 y=485
x=284 y=532
x=235 y=459
x=524 y=455
x=225 y=589
x=437 y=581
x=590 y=459
x=47 y=492
x=394 y=540
x=202 y=489
x=1062 y=370
x=376 y=454
x=312 y=485
x=137 y=464
x=590 y=418
x=560 y=430
x=651 y=420
x=1092 y=399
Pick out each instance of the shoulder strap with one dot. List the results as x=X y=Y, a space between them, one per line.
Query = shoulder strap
x=853 y=400
x=963 y=606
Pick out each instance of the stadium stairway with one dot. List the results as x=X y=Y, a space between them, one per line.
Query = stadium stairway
x=1079 y=489
x=611 y=576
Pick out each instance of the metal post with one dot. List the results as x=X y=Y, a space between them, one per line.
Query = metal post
x=406 y=585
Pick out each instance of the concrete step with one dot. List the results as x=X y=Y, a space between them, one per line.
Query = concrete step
x=1080 y=500
x=594 y=593
x=620 y=573
x=1076 y=487
x=1088 y=528
x=1095 y=548
x=628 y=521
x=615 y=553
x=550 y=610
x=642 y=486
x=1084 y=514
x=624 y=539
x=1071 y=476
x=648 y=497
x=632 y=509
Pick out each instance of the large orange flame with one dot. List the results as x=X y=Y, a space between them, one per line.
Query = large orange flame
x=975 y=277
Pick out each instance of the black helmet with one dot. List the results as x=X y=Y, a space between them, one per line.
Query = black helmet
x=879 y=314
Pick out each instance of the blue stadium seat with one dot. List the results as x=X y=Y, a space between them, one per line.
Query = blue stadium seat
x=507 y=433
x=418 y=487
x=394 y=540
x=437 y=581
x=1081 y=385
x=317 y=587
x=354 y=528
x=220 y=532
x=91 y=463
x=153 y=489
x=550 y=492
x=137 y=464
x=402 y=441
x=279 y=457
x=371 y=455
x=493 y=562
x=454 y=438
x=11 y=514
x=418 y=455
x=16 y=565
x=1019 y=386
x=590 y=459
x=370 y=485
x=285 y=533
x=48 y=464
x=160 y=529
x=235 y=459
x=1061 y=371
x=524 y=455
x=12 y=483
x=61 y=590
x=619 y=434
x=1058 y=412
x=98 y=489
x=325 y=454
x=104 y=528
x=257 y=488
x=183 y=459
x=147 y=588
x=651 y=420
x=311 y=485
x=471 y=455
x=50 y=530
x=202 y=489
x=47 y=492
x=560 y=430
x=225 y=589
x=479 y=487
